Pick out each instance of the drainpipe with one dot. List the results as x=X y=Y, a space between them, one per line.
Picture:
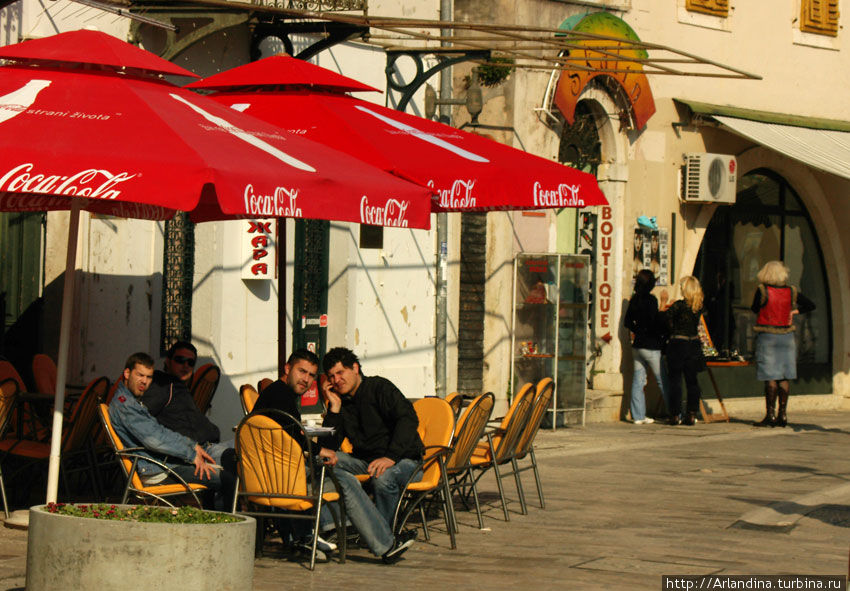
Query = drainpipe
x=442 y=225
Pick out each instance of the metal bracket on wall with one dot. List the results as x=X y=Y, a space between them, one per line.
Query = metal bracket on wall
x=333 y=34
x=447 y=57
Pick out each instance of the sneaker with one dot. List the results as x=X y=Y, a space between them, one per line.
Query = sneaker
x=403 y=541
x=323 y=548
x=646 y=421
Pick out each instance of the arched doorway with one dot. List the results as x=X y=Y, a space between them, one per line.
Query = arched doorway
x=768 y=222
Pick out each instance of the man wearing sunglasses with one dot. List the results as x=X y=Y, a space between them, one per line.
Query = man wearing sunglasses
x=180 y=361
x=170 y=402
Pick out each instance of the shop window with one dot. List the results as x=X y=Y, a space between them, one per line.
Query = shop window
x=768 y=222
x=712 y=7
x=819 y=16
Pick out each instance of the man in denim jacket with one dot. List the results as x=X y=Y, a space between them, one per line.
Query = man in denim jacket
x=135 y=426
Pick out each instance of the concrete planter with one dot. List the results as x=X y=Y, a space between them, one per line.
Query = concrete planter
x=65 y=552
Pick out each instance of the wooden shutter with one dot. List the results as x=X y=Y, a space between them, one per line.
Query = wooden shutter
x=819 y=16
x=712 y=7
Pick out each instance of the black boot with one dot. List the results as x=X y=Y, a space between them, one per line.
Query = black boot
x=769 y=419
x=781 y=418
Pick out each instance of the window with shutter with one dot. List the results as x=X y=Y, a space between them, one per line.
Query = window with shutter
x=712 y=7
x=819 y=16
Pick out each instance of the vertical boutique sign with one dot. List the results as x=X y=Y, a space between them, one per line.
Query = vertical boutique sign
x=605 y=289
x=258 y=249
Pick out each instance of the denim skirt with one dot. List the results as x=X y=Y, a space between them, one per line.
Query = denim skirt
x=776 y=356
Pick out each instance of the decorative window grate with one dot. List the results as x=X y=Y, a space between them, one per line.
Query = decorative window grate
x=819 y=16
x=712 y=7
x=178 y=268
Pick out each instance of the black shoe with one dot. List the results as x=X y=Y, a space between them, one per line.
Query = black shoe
x=304 y=548
x=690 y=419
x=403 y=541
x=674 y=421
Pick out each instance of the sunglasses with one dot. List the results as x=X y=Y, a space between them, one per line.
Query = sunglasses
x=190 y=361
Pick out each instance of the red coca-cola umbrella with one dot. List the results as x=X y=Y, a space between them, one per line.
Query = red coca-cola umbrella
x=468 y=172
x=88 y=122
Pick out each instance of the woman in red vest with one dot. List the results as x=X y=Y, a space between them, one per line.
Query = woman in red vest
x=776 y=303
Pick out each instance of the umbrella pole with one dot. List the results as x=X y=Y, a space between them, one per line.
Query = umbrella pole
x=62 y=360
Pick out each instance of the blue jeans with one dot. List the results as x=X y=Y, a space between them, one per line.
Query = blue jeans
x=373 y=520
x=643 y=359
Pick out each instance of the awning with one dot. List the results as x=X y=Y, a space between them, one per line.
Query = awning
x=820 y=143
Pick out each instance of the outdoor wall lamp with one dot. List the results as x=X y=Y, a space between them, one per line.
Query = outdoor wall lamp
x=474 y=101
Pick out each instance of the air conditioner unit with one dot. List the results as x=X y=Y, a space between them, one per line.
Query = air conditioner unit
x=709 y=178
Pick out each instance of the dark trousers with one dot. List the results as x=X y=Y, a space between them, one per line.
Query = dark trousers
x=684 y=359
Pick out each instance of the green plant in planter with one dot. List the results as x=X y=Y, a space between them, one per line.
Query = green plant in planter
x=191 y=515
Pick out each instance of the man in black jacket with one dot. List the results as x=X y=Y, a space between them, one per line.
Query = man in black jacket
x=381 y=425
x=284 y=394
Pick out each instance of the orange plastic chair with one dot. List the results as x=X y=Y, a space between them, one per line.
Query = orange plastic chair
x=455 y=400
x=544 y=391
x=44 y=374
x=273 y=473
x=77 y=451
x=436 y=426
x=29 y=427
x=248 y=397
x=8 y=395
x=469 y=431
x=204 y=383
x=264 y=383
x=128 y=457
x=500 y=445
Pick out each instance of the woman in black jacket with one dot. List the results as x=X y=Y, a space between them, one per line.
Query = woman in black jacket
x=684 y=350
x=644 y=323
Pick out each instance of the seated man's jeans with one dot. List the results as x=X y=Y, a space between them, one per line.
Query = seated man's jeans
x=373 y=520
x=223 y=481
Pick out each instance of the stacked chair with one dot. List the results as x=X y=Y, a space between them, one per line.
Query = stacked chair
x=203 y=386
x=248 y=398
x=77 y=450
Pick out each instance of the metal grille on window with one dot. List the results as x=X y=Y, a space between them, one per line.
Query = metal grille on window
x=178 y=268
x=580 y=146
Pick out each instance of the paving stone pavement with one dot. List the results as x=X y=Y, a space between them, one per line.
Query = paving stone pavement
x=625 y=504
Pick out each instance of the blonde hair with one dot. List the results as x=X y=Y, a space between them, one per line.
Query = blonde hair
x=691 y=292
x=773 y=273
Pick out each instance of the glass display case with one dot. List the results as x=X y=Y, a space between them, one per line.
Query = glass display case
x=550 y=328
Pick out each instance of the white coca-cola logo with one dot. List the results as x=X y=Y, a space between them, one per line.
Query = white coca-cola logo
x=92 y=182
x=280 y=204
x=564 y=196
x=458 y=196
x=390 y=214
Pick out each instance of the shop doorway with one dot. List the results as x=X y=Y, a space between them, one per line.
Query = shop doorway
x=767 y=222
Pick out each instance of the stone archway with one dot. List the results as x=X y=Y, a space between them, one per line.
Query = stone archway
x=604 y=347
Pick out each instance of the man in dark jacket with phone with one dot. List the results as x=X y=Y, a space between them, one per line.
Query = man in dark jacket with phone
x=381 y=425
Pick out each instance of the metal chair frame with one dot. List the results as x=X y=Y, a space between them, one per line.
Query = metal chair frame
x=128 y=458
x=469 y=432
x=315 y=493
x=501 y=446
x=435 y=455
